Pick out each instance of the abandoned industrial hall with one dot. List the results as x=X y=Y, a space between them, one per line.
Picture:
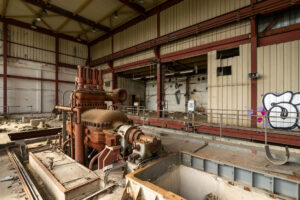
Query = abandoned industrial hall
x=149 y=99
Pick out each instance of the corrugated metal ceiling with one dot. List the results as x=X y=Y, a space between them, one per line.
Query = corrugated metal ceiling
x=110 y=13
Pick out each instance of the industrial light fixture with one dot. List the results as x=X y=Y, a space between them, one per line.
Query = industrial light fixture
x=136 y=79
x=186 y=72
x=33 y=25
x=116 y=15
x=170 y=74
x=150 y=76
x=94 y=30
x=38 y=18
x=78 y=38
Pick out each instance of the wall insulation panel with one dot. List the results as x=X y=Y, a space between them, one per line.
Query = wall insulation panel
x=23 y=43
x=72 y=52
x=135 y=57
x=35 y=96
x=151 y=95
x=190 y=12
x=102 y=48
x=225 y=32
x=197 y=88
x=230 y=95
x=279 y=68
x=141 y=32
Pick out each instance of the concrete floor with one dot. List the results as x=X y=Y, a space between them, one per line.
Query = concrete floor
x=10 y=190
x=240 y=153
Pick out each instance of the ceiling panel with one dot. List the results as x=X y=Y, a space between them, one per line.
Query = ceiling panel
x=98 y=9
x=17 y=8
x=69 y=5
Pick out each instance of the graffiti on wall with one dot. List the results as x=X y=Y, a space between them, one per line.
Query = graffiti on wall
x=282 y=109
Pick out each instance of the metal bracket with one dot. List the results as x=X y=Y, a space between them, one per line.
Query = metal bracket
x=275 y=161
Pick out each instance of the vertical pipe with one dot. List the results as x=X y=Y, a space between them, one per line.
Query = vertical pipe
x=79 y=143
x=88 y=62
x=253 y=70
x=114 y=80
x=160 y=89
x=64 y=130
x=100 y=80
x=88 y=77
x=80 y=77
x=4 y=68
x=56 y=68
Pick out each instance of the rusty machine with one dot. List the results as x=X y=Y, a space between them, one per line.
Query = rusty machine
x=106 y=134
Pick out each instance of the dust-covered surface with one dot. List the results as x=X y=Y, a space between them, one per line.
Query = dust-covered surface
x=11 y=189
x=115 y=178
x=194 y=184
x=16 y=125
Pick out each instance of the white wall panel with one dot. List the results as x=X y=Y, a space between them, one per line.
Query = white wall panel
x=190 y=12
x=33 y=95
x=227 y=94
x=101 y=49
x=151 y=95
x=279 y=69
x=143 y=31
x=134 y=58
x=64 y=92
x=225 y=32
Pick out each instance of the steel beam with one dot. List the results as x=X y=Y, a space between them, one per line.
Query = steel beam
x=33 y=134
x=68 y=14
x=4 y=68
x=35 y=79
x=222 y=44
x=40 y=29
x=160 y=79
x=153 y=11
x=280 y=35
x=56 y=68
x=262 y=7
x=135 y=7
x=254 y=70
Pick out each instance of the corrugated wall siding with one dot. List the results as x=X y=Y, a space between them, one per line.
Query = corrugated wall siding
x=225 y=32
x=31 y=45
x=143 y=31
x=133 y=58
x=32 y=95
x=279 y=69
x=72 y=52
x=101 y=49
x=190 y=12
x=228 y=94
x=19 y=37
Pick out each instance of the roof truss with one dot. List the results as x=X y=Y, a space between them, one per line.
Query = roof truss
x=68 y=14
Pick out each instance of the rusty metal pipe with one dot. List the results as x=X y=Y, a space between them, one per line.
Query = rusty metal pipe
x=64 y=144
x=95 y=74
x=79 y=143
x=88 y=77
x=66 y=108
x=80 y=79
x=93 y=160
x=100 y=80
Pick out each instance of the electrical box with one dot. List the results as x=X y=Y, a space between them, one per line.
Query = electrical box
x=191 y=105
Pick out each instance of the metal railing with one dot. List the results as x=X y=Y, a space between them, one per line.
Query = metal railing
x=224 y=118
